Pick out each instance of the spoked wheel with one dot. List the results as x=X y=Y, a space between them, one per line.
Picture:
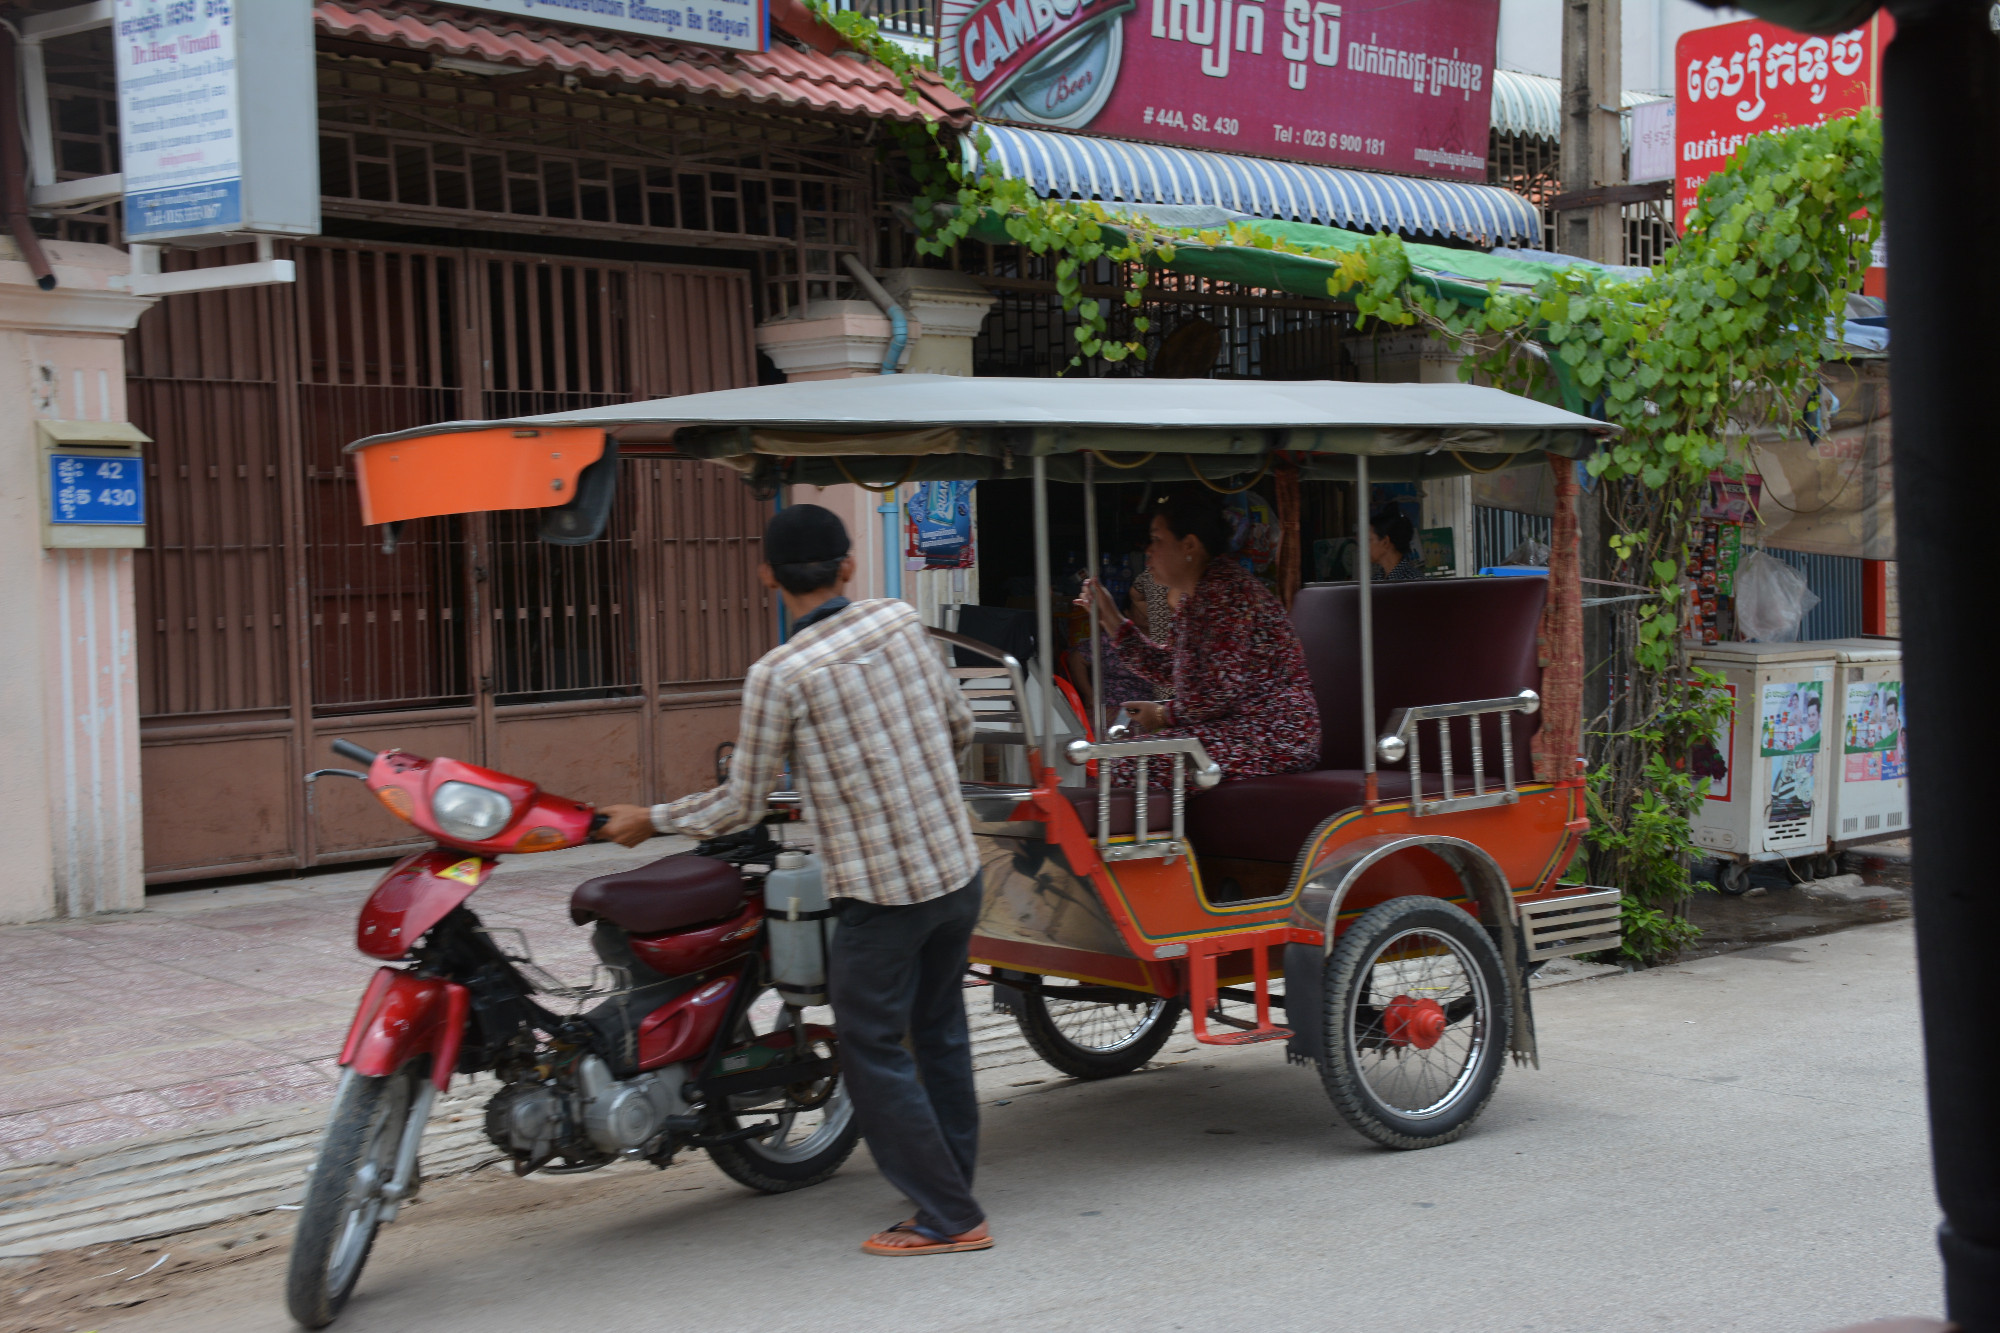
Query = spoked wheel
x=1417 y=1016
x=345 y=1201
x=1092 y=1038
x=812 y=1124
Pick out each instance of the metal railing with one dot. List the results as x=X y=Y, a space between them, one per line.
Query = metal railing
x=902 y=18
x=982 y=686
x=1402 y=741
x=1181 y=749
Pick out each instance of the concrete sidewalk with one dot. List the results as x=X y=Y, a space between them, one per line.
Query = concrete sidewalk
x=221 y=1003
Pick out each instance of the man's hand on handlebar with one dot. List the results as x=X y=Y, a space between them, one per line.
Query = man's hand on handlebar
x=626 y=825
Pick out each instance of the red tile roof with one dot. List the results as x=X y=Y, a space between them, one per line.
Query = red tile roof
x=782 y=77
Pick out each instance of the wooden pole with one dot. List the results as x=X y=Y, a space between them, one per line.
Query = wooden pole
x=1290 y=555
x=1560 y=740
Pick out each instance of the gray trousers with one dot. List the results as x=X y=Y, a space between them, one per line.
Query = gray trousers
x=900 y=970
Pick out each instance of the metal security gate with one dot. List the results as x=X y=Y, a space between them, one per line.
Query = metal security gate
x=606 y=672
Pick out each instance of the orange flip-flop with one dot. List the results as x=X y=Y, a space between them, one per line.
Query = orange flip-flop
x=939 y=1243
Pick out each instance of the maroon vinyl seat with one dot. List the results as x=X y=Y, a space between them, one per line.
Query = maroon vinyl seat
x=1124 y=810
x=1437 y=641
x=680 y=890
x=1269 y=818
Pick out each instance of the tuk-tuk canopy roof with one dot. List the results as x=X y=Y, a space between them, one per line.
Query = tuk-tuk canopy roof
x=939 y=427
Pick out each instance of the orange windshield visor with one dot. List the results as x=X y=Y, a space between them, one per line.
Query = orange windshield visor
x=473 y=471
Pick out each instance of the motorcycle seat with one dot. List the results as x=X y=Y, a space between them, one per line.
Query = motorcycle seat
x=671 y=893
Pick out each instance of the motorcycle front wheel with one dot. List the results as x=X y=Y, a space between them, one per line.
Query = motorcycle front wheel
x=812 y=1129
x=344 y=1201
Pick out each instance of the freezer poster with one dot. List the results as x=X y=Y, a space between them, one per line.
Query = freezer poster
x=1788 y=717
x=1709 y=757
x=1873 y=744
x=1792 y=779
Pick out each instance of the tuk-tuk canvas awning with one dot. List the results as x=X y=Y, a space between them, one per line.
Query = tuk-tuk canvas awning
x=943 y=427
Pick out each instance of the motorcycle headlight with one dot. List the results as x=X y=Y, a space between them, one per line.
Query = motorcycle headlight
x=472 y=813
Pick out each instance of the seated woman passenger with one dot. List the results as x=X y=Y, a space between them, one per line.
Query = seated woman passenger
x=1230 y=657
x=1392 y=546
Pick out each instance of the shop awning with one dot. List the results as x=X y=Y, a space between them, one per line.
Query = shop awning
x=1114 y=171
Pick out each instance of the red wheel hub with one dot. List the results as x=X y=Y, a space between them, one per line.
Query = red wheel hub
x=1418 y=1023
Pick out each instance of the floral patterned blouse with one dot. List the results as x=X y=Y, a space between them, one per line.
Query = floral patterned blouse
x=1238 y=675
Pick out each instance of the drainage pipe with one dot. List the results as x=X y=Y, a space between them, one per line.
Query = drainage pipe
x=899 y=323
x=899 y=338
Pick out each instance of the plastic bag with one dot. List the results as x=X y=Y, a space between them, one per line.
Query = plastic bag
x=1771 y=599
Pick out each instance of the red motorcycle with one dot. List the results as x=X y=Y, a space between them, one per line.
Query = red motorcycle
x=692 y=1034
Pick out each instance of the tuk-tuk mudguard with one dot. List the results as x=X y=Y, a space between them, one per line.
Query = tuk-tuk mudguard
x=403 y=1016
x=1317 y=907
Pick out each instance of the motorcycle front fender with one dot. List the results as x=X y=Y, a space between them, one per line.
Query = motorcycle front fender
x=418 y=892
x=403 y=1016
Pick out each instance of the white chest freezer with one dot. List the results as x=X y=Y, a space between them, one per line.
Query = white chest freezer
x=1871 y=789
x=1768 y=767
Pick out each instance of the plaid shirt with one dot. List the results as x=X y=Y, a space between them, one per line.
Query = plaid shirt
x=862 y=707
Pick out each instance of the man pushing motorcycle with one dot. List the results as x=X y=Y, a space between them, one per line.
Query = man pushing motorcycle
x=858 y=702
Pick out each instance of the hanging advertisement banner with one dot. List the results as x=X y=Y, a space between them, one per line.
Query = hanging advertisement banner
x=736 y=24
x=1740 y=79
x=1404 y=87
x=196 y=166
x=937 y=527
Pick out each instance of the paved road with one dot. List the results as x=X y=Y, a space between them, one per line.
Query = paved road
x=1737 y=1143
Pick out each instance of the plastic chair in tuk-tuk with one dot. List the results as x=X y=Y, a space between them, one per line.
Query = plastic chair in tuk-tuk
x=1382 y=913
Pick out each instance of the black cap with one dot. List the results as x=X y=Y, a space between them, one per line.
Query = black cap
x=804 y=535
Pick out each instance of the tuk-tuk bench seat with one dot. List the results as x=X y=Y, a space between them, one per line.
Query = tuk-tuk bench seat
x=1269 y=818
x=1255 y=819
x=1159 y=809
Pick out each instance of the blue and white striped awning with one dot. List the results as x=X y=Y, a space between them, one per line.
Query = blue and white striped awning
x=1115 y=171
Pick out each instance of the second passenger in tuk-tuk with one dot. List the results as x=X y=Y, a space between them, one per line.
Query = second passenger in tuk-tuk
x=1230 y=657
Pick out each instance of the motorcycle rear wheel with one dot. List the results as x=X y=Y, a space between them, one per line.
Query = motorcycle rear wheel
x=343 y=1204
x=814 y=1131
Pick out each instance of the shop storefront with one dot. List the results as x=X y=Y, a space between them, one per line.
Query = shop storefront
x=519 y=217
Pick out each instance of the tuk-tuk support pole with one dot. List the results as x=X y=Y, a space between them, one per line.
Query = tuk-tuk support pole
x=1370 y=791
x=1092 y=571
x=1045 y=646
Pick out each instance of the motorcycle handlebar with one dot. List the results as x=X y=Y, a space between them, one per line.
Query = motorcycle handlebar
x=349 y=750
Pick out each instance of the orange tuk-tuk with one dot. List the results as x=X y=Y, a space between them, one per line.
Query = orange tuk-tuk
x=1381 y=914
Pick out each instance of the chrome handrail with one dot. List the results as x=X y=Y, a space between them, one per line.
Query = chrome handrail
x=1016 y=692
x=1182 y=749
x=1401 y=741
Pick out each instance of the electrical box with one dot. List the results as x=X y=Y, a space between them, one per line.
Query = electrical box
x=93 y=484
x=1871 y=784
x=1769 y=766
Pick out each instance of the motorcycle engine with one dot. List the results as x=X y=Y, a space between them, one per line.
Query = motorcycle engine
x=527 y=1121
x=587 y=1122
x=623 y=1115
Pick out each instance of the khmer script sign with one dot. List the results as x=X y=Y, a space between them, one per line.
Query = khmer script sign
x=1401 y=87
x=736 y=24
x=1740 y=79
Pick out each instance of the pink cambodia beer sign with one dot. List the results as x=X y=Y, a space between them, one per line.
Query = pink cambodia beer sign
x=1740 y=79
x=1398 y=86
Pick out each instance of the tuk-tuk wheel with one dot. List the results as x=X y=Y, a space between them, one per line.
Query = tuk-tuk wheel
x=1092 y=1039
x=1417 y=1020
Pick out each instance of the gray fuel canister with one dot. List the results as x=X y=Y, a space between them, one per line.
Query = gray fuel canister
x=799 y=926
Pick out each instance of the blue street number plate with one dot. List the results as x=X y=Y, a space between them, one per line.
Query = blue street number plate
x=90 y=488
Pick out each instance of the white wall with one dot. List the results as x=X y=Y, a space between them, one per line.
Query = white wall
x=1531 y=38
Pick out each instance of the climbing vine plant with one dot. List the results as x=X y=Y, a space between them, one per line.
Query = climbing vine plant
x=1725 y=335
x=951 y=196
